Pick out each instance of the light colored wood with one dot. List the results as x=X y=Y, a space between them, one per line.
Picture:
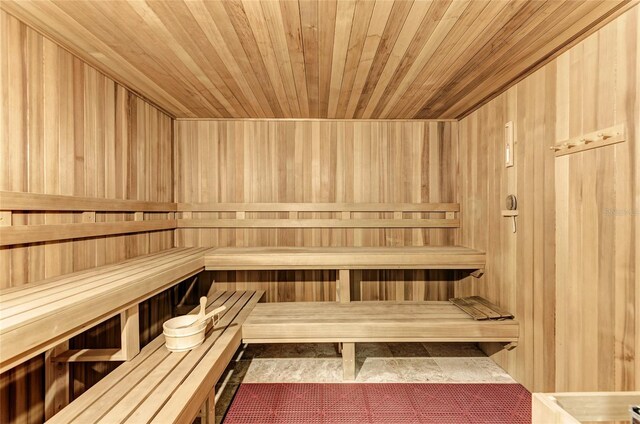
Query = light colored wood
x=90 y=355
x=575 y=303
x=320 y=207
x=349 y=361
x=344 y=285
x=593 y=140
x=56 y=381
x=208 y=411
x=375 y=59
x=71 y=304
x=480 y=309
x=27 y=234
x=343 y=258
x=129 y=342
x=317 y=223
x=130 y=330
x=577 y=407
x=20 y=201
x=75 y=141
x=152 y=383
x=370 y=321
x=5 y=218
x=320 y=169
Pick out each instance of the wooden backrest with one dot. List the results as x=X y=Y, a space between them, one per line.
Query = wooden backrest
x=87 y=217
x=334 y=215
x=141 y=216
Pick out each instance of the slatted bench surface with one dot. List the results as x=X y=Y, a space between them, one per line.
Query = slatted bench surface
x=264 y=258
x=163 y=387
x=37 y=316
x=316 y=322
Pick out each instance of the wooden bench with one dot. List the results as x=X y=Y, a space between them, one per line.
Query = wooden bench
x=345 y=259
x=162 y=387
x=406 y=257
x=349 y=323
x=38 y=316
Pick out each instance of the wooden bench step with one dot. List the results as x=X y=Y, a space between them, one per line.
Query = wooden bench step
x=161 y=386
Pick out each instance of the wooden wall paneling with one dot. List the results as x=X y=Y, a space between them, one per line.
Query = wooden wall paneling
x=319 y=161
x=569 y=273
x=66 y=129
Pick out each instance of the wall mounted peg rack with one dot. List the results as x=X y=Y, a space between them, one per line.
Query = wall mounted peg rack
x=593 y=140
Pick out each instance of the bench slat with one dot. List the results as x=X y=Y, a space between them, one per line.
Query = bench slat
x=168 y=387
x=84 y=288
x=156 y=371
x=148 y=409
x=205 y=376
x=69 y=311
x=51 y=283
x=122 y=372
x=148 y=386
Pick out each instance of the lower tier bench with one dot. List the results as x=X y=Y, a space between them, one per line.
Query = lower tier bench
x=38 y=316
x=159 y=386
x=349 y=323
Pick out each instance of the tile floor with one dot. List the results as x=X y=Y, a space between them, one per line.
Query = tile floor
x=375 y=363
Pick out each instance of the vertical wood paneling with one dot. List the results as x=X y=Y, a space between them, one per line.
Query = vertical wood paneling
x=572 y=266
x=67 y=129
x=319 y=161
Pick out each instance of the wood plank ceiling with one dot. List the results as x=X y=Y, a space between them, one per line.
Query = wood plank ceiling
x=318 y=59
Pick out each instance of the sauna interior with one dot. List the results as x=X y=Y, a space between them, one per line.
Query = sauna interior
x=389 y=211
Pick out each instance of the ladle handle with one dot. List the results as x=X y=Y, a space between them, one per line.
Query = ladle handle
x=203 y=308
x=214 y=312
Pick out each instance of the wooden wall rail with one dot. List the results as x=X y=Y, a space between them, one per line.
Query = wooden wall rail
x=318 y=223
x=19 y=201
x=345 y=220
x=25 y=234
x=11 y=202
x=319 y=207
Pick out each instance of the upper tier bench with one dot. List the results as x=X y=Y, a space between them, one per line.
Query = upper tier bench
x=163 y=387
x=264 y=258
x=38 y=316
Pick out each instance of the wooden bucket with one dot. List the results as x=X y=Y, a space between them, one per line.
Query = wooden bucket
x=186 y=338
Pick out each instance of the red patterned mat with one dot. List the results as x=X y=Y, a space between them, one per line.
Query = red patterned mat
x=380 y=403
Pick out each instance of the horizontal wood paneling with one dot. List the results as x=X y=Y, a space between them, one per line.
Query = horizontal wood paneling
x=66 y=129
x=22 y=201
x=324 y=162
x=318 y=59
x=570 y=273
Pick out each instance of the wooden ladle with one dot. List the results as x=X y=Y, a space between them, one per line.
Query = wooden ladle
x=202 y=317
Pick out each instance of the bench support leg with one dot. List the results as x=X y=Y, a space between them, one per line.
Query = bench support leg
x=56 y=378
x=344 y=286
x=129 y=344
x=208 y=411
x=130 y=333
x=349 y=361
